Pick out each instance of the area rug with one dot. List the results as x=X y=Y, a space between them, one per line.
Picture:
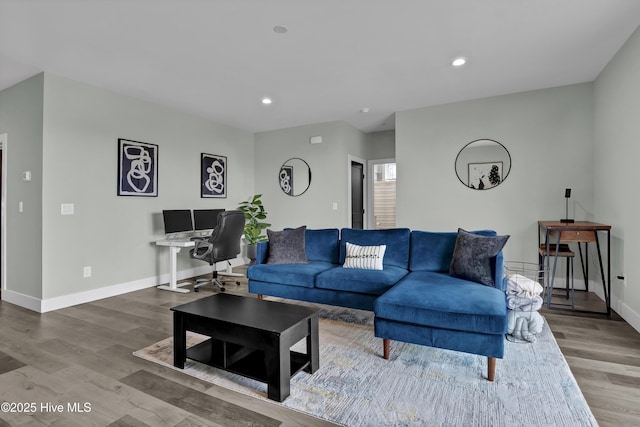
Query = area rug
x=418 y=386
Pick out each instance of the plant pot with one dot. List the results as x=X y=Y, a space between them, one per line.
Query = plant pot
x=251 y=252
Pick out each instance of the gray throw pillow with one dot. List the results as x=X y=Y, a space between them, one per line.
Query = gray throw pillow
x=472 y=256
x=287 y=246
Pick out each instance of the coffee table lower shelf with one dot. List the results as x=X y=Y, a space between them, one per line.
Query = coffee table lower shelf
x=241 y=360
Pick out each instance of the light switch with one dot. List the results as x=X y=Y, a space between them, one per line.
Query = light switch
x=20 y=206
x=26 y=176
x=335 y=206
x=67 y=209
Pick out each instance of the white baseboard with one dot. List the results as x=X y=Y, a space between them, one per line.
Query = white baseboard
x=63 y=301
x=627 y=313
x=25 y=301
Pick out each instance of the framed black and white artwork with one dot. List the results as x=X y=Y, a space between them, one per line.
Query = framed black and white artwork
x=137 y=168
x=485 y=175
x=286 y=179
x=213 y=176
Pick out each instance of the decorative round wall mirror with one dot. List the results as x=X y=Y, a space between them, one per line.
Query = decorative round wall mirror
x=294 y=177
x=483 y=164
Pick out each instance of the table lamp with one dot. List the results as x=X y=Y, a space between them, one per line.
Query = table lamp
x=567 y=194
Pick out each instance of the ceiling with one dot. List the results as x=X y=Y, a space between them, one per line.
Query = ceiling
x=218 y=58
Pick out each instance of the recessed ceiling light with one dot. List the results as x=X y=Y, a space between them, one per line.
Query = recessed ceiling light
x=280 y=29
x=365 y=110
x=266 y=101
x=459 y=62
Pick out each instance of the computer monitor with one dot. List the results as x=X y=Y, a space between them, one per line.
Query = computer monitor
x=205 y=219
x=177 y=221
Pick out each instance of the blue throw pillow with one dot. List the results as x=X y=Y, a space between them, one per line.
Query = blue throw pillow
x=287 y=246
x=472 y=256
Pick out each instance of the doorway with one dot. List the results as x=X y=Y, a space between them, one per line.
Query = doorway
x=382 y=196
x=356 y=188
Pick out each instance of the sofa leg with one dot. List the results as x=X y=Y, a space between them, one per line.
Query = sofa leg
x=491 y=368
x=386 y=346
x=260 y=296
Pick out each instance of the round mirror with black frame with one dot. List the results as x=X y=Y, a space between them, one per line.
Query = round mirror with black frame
x=483 y=164
x=294 y=177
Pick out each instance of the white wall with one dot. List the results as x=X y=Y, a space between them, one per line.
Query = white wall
x=616 y=152
x=329 y=167
x=548 y=134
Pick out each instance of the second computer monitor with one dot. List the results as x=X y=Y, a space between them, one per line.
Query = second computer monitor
x=205 y=219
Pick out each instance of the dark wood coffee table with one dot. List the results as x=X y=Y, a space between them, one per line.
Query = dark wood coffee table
x=249 y=337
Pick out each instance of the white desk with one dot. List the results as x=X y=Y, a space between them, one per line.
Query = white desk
x=174 y=247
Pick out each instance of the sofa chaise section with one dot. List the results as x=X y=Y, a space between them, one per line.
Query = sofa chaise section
x=429 y=307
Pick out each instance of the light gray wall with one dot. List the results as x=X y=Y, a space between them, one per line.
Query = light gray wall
x=21 y=118
x=329 y=167
x=114 y=234
x=617 y=151
x=381 y=145
x=548 y=134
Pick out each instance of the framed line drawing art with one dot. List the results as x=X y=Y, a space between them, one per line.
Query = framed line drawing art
x=137 y=168
x=213 y=176
x=485 y=175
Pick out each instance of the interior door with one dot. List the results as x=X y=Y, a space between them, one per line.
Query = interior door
x=357 y=195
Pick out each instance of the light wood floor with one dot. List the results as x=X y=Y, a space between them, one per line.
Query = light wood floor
x=83 y=354
x=604 y=356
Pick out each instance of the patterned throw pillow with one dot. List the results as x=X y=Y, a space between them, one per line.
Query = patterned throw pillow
x=287 y=246
x=365 y=257
x=472 y=256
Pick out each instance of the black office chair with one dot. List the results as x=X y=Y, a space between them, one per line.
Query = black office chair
x=222 y=245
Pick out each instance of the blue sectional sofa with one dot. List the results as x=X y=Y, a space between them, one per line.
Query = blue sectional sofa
x=414 y=298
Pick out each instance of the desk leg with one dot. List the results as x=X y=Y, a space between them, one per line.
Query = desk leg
x=606 y=284
x=173 y=266
x=609 y=272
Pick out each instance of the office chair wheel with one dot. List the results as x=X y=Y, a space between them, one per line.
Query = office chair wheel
x=196 y=289
x=237 y=283
x=221 y=289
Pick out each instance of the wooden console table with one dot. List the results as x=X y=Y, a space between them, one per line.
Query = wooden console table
x=557 y=232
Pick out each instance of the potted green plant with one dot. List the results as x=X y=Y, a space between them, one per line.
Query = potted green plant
x=254 y=228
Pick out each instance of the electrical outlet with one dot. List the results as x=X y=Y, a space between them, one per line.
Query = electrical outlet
x=86 y=271
x=67 y=209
